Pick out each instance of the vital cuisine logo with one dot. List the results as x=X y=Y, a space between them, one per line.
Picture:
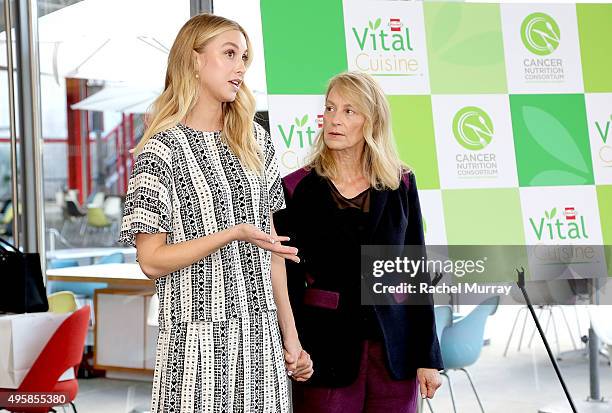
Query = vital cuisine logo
x=299 y=134
x=385 y=48
x=605 y=151
x=297 y=138
x=540 y=34
x=473 y=128
x=569 y=225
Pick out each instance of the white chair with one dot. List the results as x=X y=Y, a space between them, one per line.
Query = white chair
x=600 y=316
x=153 y=311
x=112 y=207
x=73 y=195
x=152 y=321
x=97 y=201
x=547 y=296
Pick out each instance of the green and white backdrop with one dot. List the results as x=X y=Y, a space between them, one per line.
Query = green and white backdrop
x=503 y=111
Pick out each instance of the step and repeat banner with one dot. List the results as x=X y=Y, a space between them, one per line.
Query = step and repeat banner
x=503 y=111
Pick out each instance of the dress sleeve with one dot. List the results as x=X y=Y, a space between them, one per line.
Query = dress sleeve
x=148 y=202
x=272 y=174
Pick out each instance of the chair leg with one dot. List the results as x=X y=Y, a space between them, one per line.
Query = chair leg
x=83 y=226
x=73 y=407
x=450 y=390
x=518 y=314
x=473 y=388
x=64 y=226
x=522 y=331
x=569 y=330
x=577 y=320
x=554 y=324
x=545 y=328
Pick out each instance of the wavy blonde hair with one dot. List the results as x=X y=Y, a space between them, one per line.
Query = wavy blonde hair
x=182 y=88
x=380 y=160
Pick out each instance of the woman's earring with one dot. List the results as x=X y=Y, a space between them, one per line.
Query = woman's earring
x=197 y=76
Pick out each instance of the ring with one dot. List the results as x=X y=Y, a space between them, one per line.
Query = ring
x=271 y=240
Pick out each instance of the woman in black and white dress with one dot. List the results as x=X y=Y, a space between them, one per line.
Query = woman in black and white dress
x=204 y=185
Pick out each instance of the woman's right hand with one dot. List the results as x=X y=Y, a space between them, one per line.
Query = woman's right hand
x=250 y=233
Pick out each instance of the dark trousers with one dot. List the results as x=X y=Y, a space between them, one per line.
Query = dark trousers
x=374 y=391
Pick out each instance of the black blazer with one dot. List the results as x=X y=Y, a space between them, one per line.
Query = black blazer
x=333 y=337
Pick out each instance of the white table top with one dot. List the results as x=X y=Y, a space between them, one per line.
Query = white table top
x=109 y=273
x=76 y=253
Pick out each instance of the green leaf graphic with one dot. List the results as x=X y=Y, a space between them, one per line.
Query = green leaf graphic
x=447 y=23
x=370 y=25
x=544 y=178
x=304 y=120
x=546 y=214
x=297 y=122
x=553 y=212
x=377 y=24
x=473 y=51
x=554 y=138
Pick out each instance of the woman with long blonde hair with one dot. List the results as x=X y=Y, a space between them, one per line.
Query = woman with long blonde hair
x=353 y=192
x=198 y=209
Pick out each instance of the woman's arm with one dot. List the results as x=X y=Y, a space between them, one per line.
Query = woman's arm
x=157 y=259
x=291 y=342
x=431 y=357
x=281 y=296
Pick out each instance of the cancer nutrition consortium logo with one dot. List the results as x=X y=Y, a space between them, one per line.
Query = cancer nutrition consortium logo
x=473 y=128
x=540 y=34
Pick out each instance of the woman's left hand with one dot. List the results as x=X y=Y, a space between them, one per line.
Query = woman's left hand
x=293 y=349
x=429 y=382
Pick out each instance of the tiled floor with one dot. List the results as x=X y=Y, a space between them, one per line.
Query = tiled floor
x=522 y=382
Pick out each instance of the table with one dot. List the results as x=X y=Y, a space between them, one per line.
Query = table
x=112 y=274
x=19 y=347
x=91 y=253
x=119 y=314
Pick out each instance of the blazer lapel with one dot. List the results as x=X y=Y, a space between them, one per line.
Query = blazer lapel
x=378 y=201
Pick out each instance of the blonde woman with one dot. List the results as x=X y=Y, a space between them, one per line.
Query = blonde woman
x=355 y=192
x=198 y=210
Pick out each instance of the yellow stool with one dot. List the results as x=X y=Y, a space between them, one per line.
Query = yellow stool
x=62 y=302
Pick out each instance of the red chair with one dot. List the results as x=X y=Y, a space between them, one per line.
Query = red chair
x=63 y=351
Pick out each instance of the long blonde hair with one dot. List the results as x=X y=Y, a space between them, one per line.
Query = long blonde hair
x=182 y=88
x=380 y=160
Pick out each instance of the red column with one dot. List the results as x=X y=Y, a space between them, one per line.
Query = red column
x=131 y=145
x=75 y=92
x=117 y=138
x=90 y=184
x=124 y=150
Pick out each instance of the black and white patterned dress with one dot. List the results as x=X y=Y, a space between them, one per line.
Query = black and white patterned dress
x=219 y=347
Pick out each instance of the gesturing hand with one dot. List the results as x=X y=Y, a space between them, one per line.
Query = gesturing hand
x=250 y=233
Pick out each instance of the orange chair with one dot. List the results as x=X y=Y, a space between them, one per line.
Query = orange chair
x=63 y=351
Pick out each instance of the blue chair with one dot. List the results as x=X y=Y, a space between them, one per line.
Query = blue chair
x=116 y=258
x=462 y=343
x=53 y=264
x=78 y=288
x=444 y=318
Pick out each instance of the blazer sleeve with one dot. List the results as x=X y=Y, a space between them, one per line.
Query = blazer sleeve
x=284 y=222
x=430 y=355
